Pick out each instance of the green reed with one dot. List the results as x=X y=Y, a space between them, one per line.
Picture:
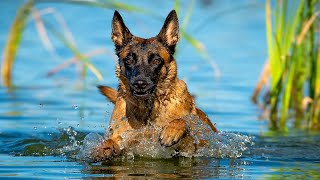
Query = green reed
x=13 y=42
x=293 y=49
x=196 y=44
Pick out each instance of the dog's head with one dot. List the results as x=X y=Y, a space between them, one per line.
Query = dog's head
x=142 y=62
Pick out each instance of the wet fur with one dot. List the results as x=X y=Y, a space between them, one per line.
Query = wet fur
x=166 y=106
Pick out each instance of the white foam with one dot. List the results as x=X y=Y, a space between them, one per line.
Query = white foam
x=144 y=142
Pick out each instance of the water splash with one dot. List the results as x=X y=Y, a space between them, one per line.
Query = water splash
x=65 y=142
x=72 y=144
x=75 y=107
x=89 y=143
x=144 y=142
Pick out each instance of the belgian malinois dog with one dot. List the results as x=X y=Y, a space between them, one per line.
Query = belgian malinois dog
x=149 y=92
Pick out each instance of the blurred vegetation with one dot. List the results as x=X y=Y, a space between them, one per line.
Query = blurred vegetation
x=14 y=42
x=61 y=32
x=293 y=65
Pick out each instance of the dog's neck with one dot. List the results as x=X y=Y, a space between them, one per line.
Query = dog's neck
x=140 y=110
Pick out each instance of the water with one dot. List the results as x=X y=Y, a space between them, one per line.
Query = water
x=43 y=121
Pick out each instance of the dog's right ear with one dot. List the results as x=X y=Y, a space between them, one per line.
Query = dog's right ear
x=169 y=33
x=120 y=33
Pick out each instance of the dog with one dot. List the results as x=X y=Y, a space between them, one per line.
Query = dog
x=149 y=93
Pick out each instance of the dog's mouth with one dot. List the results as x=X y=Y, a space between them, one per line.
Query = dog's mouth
x=142 y=94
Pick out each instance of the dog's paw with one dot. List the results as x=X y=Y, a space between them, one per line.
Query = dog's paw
x=105 y=151
x=173 y=132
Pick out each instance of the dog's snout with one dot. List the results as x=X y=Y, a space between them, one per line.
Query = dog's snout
x=140 y=84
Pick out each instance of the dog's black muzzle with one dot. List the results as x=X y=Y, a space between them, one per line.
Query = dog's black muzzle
x=141 y=87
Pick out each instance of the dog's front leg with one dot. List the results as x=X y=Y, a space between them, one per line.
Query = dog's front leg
x=173 y=132
x=106 y=151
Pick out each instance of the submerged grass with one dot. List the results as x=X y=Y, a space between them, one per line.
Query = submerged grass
x=293 y=51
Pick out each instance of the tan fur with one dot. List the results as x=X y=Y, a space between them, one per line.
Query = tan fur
x=109 y=92
x=165 y=109
x=172 y=103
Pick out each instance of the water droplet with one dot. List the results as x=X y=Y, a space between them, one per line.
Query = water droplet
x=59 y=122
x=75 y=107
x=35 y=128
x=78 y=125
x=41 y=105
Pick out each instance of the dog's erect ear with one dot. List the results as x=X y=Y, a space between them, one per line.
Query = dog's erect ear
x=120 y=33
x=169 y=34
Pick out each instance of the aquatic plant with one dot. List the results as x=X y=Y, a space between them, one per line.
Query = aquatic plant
x=64 y=35
x=293 y=64
x=14 y=42
x=197 y=45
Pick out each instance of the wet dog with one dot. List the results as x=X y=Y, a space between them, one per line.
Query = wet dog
x=149 y=93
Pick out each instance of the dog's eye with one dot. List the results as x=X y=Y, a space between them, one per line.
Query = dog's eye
x=129 y=60
x=156 y=61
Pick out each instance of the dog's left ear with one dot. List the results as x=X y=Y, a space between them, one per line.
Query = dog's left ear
x=169 y=34
x=120 y=33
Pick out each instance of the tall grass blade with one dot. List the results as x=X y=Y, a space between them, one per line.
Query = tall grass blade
x=61 y=22
x=42 y=32
x=188 y=15
x=202 y=51
x=119 y=5
x=106 y=4
x=86 y=61
x=74 y=60
x=291 y=28
x=13 y=42
x=316 y=109
x=275 y=67
x=263 y=79
x=306 y=27
x=176 y=6
x=317 y=84
x=287 y=95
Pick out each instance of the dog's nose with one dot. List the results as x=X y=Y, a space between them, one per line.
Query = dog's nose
x=140 y=84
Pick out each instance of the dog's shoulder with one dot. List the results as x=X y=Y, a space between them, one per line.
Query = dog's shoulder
x=178 y=101
x=180 y=91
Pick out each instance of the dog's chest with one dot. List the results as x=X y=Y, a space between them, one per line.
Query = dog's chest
x=167 y=110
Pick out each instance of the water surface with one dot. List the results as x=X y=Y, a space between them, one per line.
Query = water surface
x=44 y=120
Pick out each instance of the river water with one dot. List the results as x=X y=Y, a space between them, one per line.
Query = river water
x=44 y=121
